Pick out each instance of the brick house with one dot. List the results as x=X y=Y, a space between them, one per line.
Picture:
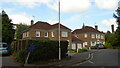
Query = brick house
x=91 y=36
x=45 y=31
x=76 y=43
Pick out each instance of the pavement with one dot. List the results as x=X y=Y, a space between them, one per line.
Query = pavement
x=74 y=58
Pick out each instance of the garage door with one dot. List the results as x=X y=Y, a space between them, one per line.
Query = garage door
x=79 y=46
x=73 y=46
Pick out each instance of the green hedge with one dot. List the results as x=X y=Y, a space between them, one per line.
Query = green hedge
x=44 y=50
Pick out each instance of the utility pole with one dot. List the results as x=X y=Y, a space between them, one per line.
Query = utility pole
x=59 y=30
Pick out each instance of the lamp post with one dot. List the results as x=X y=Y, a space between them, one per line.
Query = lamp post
x=59 y=30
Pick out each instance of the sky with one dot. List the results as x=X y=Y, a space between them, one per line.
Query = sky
x=73 y=12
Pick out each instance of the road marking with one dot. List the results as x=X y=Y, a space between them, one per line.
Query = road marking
x=90 y=57
x=91 y=62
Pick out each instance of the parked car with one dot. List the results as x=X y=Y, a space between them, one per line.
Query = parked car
x=4 y=49
x=99 y=46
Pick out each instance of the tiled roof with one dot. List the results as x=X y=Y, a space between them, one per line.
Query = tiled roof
x=61 y=26
x=86 y=29
x=41 y=25
x=45 y=26
x=75 y=39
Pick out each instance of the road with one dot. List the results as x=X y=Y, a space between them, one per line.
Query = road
x=104 y=57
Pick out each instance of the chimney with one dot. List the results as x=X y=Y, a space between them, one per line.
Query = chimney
x=96 y=27
x=32 y=22
x=112 y=27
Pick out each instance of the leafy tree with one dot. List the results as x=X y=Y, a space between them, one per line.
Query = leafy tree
x=7 y=28
x=117 y=16
x=20 y=28
x=107 y=35
x=0 y=27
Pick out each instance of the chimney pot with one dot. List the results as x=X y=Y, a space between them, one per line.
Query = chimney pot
x=32 y=22
x=96 y=27
x=112 y=27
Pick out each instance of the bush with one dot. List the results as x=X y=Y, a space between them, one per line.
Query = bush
x=85 y=48
x=71 y=51
x=44 y=50
x=20 y=56
x=108 y=45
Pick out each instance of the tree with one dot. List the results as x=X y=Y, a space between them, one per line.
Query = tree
x=117 y=16
x=107 y=35
x=0 y=27
x=20 y=28
x=7 y=28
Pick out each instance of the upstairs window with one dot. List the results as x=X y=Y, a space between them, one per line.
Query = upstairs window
x=98 y=36
x=102 y=37
x=64 y=34
x=37 y=33
x=53 y=34
x=27 y=34
x=85 y=35
x=92 y=36
x=46 y=34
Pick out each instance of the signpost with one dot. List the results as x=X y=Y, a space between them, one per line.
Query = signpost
x=30 y=49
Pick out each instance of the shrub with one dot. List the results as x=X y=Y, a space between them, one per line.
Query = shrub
x=20 y=56
x=85 y=48
x=71 y=51
x=44 y=50
x=108 y=45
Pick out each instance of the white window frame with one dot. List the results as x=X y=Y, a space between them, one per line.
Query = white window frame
x=93 y=36
x=73 y=46
x=38 y=32
x=86 y=43
x=102 y=37
x=98 y=36
x=85 y=35
x=64 y=34
x=53 y=34
x=27 y=34
x=23 y=35
x=45 y=34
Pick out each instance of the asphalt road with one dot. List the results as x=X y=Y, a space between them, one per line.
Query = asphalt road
x=104 y=57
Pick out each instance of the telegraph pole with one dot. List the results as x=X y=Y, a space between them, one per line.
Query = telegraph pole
x=59 y=30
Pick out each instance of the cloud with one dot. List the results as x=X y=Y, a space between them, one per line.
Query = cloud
x=20 y=18
x=27 y=3
x=109 y=22
x=71 y=5
x=107 y=4
x=66 y=5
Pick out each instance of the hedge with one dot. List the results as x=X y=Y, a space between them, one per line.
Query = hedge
x=44 y=50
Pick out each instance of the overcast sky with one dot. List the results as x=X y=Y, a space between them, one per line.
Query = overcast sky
x=73 y=12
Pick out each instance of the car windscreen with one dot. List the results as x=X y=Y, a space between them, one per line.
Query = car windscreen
x=3 y=45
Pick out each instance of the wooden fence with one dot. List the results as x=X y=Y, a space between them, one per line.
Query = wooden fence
x=19 y=45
